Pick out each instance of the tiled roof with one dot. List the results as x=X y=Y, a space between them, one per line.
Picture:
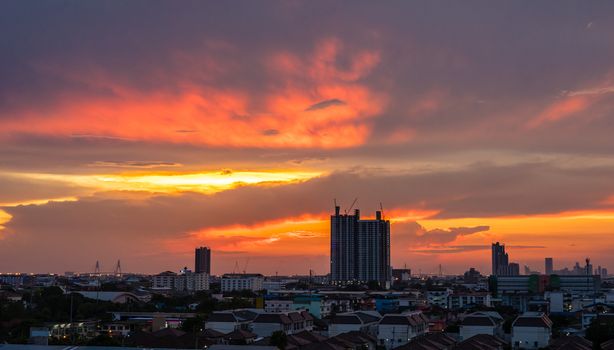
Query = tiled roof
x=481 y=342
x=413 y=319
x=571 y=343
x=240 y=334
x=345 y=319
x=540 y=321
x=272 y=318
x=367 y=318
x=478 y=320
x=429 y=341
x=222 y=317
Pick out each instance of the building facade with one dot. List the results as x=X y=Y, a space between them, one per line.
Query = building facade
x=241 y=281
x=360 y=249
x=202 y=260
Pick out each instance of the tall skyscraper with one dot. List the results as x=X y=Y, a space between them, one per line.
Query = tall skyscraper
x=202 y=261
x=359 y=249
x=500 y=262
x=549 y=266
x=500 y=259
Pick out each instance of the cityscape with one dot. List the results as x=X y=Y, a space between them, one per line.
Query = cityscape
x=306 y=175
x=363 y=303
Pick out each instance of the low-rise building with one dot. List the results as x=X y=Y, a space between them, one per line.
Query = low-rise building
x=460 y=300
x=290 y=323
x=398 y=329
x=438 y=297
x=231 y=282
x=361 y=321
x=531 y=330
x=490 y=323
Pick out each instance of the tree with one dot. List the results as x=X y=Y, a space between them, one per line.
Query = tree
x=279 y=339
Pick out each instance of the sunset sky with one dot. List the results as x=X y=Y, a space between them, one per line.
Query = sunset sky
x=139 y=130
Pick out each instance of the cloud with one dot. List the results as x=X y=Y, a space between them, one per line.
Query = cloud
x=412 y=234
x=325 y=104
x=134 y=164
x=454 y=249
x=131 y=226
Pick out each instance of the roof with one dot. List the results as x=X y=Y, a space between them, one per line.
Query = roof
x=404 y=319
x=532 y=320
x=608 y=345
x=481 y=342
x=211 y=333
x=240 y=334
x=107 y=296
x=295 y=317
x=367 y=317
x=478 y=320
x=571 y=343
x=346 y=319
x=429 y=341
x=222 y=317
x=273 y=318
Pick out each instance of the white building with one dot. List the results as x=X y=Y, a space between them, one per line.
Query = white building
x=186 y=281
x=395 y=330
x=362 y=321
x=531 y=330
x=489 y=322
x=277 y=305
x=225 y=322
x=438 y=297
x=164 y=280
x=248 y=281
x=464 y=300
x=290 y=323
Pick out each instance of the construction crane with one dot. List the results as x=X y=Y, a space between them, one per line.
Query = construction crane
x=351 y=206
x=381 y=208
x=245 y=266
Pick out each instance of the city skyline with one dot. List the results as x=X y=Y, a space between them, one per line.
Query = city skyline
x=140 y=131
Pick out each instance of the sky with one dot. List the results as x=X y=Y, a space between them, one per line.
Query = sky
x=137 y=131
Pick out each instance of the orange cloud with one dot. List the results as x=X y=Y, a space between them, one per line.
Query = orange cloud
x=561 y=109
x=279 y=115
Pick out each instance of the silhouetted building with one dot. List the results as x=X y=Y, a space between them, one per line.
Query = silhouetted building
x=202 y=261
x=360 y=249
x=500 y=262
x=549 y=266
x=472 y=276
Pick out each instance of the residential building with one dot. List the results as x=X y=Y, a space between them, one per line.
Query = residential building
x=249 y=281
x=460 y=300
x=438 y=297
x=277 y=305
x=360 y=249
x=186 y=281
x=362 y=321
x=488 y=322
x=289 y=322
x=202 y=260
x=398 y=329
x=531 y=330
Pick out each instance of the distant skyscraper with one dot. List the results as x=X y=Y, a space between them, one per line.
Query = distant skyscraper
x=549 y=266
x=202 y=260
x=500 y=262
x=359 y=249
x=513 y=269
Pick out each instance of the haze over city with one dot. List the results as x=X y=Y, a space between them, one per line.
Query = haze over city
x=141 y=130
